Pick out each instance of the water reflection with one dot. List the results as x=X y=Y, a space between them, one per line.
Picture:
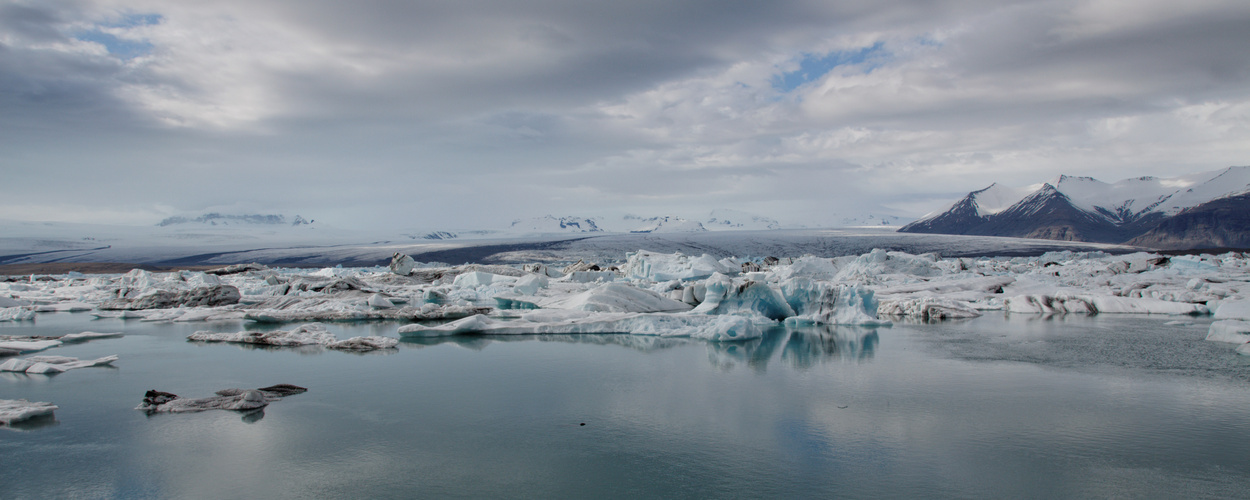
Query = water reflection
x=30 y=424
x=641 y=343
x=801 y=347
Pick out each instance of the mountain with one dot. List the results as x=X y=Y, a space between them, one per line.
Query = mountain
x=1222 y=223
x=1085 y=209
x=217 y=219
x=664 y=224
x=725 y=218
x=553 y=224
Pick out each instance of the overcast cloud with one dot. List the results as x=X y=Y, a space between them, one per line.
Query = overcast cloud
x=456 y=114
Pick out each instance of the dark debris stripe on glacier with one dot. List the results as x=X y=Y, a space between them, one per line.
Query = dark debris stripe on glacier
x=603 y=248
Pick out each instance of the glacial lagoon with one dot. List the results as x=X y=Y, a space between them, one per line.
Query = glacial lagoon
x=1001 y=406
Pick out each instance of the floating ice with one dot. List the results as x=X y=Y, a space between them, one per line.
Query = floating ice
x=309 y=334
x=51 y=364
x=17 y=410
x=226 y=399
x=25 y=346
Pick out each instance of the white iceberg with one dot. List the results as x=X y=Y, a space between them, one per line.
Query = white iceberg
x=51 y=364
x=17 y=410
x=617 y=297
x=655 y=266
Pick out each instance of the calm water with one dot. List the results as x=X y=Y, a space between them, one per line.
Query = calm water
x=990 y=408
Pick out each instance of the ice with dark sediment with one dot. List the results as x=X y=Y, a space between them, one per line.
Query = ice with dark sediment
x=226 y=399
x=303 y=335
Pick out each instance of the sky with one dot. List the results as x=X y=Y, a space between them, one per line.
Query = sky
x=442 y=114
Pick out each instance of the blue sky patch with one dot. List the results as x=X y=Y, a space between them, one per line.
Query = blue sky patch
x=814 y=66
x=119 y=47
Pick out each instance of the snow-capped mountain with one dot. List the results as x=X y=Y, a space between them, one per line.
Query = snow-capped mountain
x=553 y=224
x=663 y=224
x=1085 y=209
x=218 y=219
x=725 y=218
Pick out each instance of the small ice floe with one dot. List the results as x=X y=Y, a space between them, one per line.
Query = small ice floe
x=23 y=346
x=85 y=336
x=309 y=334
x=226 y=399
x=18 y=410
x=48 y=365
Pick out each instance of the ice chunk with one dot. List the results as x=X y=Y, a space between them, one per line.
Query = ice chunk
x=530 y=284
x=618 y=297
x=6 y=302
x=380 y=302
x=402 y=264
x=878 y=262
x=714 y=328
x=25 y=346
x=1243 y=349
x=226 y=399
x=664 y=267
x=16 y=314
x=85 y=336
x=1233 y=309
x=1065 y=303
x=928 y=308
x=479 y=278
x=750 y=297
x=309 y=334
x=591 y=276
x=1232 y=331
x=809 y=267
x=17 y=410
x=51 y=364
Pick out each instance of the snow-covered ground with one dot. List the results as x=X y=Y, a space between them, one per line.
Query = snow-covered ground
x=652 y=293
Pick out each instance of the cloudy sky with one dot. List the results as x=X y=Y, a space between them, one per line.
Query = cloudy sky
x=462 y=113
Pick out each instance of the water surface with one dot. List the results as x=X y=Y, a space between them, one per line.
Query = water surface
x=989 y=408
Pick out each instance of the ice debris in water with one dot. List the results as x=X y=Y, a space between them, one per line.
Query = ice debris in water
x=309 y=334
x=17 y=410
x=649 y=289
x=51 y=364
x=226 y=399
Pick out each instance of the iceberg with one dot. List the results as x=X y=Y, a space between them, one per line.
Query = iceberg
x=17 y=410
x=226 y=399
x=309 y=334
x=17 y=313
x=617 y=297
x=51 y=364
x=655 y=266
